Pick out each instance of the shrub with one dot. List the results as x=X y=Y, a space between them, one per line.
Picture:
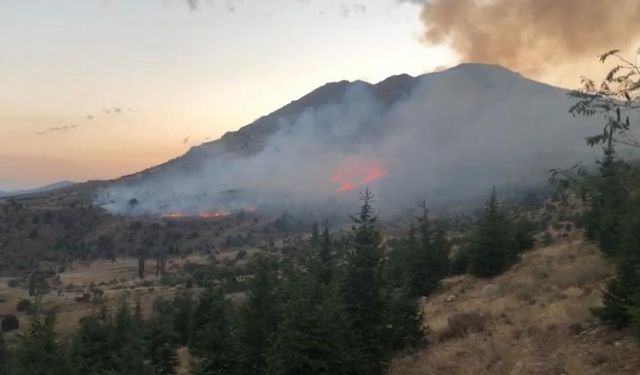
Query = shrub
x=241 y=255
x=13 y=283
x=10 y=323
x=25 y=305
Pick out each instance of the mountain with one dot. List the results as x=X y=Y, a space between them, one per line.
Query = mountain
x=43 y=189
x=447 y=136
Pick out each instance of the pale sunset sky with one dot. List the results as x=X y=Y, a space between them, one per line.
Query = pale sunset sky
x=94 y=89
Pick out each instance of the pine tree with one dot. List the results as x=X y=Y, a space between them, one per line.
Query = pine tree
x=5 y=360
x=128 y=339
x=109 y=343
x=325 y=256
x=610 y=203
x=313 y=336
x=621 y=299
x=315 y=234
x=214 y=341
x=91 y=345
x=427 y=258
x=161 y=339
x=259 y=318
x=361 y=287
x=403 y=321
x=183 y=318
x=141 y=265
x=39 y=352
x=491 y=251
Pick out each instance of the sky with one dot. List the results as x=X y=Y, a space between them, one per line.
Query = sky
x=94 y=89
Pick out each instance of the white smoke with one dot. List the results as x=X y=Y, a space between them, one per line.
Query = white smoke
x=449 y=140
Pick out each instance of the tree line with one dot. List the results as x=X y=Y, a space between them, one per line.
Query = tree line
x=612 y=191
x=342 y=306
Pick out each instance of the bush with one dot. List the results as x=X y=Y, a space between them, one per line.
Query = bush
x=25 y=305
x=13 y=283
x=241 y=255
x=10 y=323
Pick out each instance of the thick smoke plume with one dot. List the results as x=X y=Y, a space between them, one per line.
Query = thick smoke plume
x=446 y=137
x=531 y=36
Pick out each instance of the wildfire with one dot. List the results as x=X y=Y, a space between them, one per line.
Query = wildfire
x=213 y=215
x=206 y=215
x=174 y=215
x=355 y=172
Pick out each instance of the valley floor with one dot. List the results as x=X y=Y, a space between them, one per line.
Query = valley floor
x=536 y=319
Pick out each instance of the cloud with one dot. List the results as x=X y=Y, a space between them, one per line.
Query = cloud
x=347 y=10
x=230 y=5
x=114 y=110
x=57 y=129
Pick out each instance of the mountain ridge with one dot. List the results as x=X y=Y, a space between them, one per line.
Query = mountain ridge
x=42 y=189
x=474 y=121
x=389 y=89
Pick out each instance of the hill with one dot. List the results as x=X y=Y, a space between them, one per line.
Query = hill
x=43 y=189
x=449 y=136
x=536 y=320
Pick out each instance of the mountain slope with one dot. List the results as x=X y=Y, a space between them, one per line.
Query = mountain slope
x=448 y=136
x=538 y=320
x=43 y=189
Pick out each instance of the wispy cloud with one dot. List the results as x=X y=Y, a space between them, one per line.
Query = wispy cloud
x=347 y=10
x=56 y=129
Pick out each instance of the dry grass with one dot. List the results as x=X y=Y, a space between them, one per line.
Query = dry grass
x=115 y=279
x=533 y=320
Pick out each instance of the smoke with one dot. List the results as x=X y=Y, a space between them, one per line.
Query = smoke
x=446 y=137
x=531 y=36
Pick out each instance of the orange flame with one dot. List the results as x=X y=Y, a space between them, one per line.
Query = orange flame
x=174 y=215
x=214 y=215
x=207 y=215
x=354 y=172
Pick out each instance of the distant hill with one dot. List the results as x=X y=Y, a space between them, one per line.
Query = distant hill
x=43 y=189
x=446 y=136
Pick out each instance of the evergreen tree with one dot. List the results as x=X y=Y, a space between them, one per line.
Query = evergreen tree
x=91 y=346
x=259 y=318
x=141 y=265
x=5 y=359
x=609 y=203
x=491 y=251
x=522 y=236
x=325 y=256
x=361 y=288
x=621 y=299
x=427 y=261
x=315 y=234
x=161 y=339
x=110 y=343
x=214 y=340
x=39 y=352
x=403 y=320
x=313 y=336
x=128 y=338
x=184 y=305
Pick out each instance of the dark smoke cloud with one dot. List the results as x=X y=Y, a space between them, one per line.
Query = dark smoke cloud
x=531 y=36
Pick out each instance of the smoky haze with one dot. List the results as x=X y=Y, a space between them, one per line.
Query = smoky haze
x=531 y=36
x=446 y=137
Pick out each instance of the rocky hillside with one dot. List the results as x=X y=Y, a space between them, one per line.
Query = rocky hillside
x=534 y=319
x=449 y=135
